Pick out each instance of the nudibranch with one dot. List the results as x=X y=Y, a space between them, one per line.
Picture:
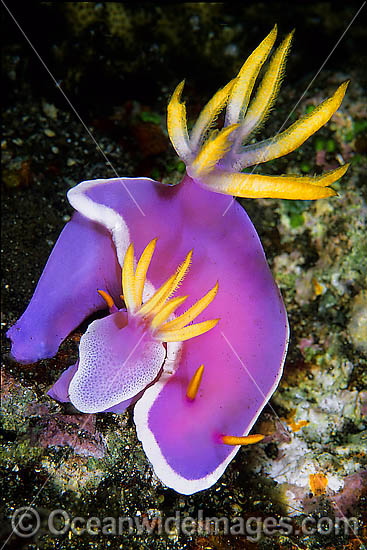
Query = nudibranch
x=198 y=388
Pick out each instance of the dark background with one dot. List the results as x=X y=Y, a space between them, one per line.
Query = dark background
x=105 y=53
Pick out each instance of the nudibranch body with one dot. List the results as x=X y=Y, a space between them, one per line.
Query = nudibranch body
x=242 y=355
x=197 y=392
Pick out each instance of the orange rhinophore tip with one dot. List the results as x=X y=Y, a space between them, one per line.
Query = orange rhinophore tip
x=107 y=298
x=194 y=384
x=244 y=440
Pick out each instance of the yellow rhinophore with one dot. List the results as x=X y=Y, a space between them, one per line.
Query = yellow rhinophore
x=212 y=151
x=156 y=311
x=176 y=125
x=216 y=158
x=245 y=80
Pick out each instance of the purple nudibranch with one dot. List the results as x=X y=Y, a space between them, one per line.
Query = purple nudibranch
x=198 y=385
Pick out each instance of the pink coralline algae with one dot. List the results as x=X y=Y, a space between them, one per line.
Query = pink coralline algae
x=199 y=365
x=61 y=430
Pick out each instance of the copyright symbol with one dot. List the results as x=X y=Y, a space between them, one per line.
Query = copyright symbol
x=25 y=522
